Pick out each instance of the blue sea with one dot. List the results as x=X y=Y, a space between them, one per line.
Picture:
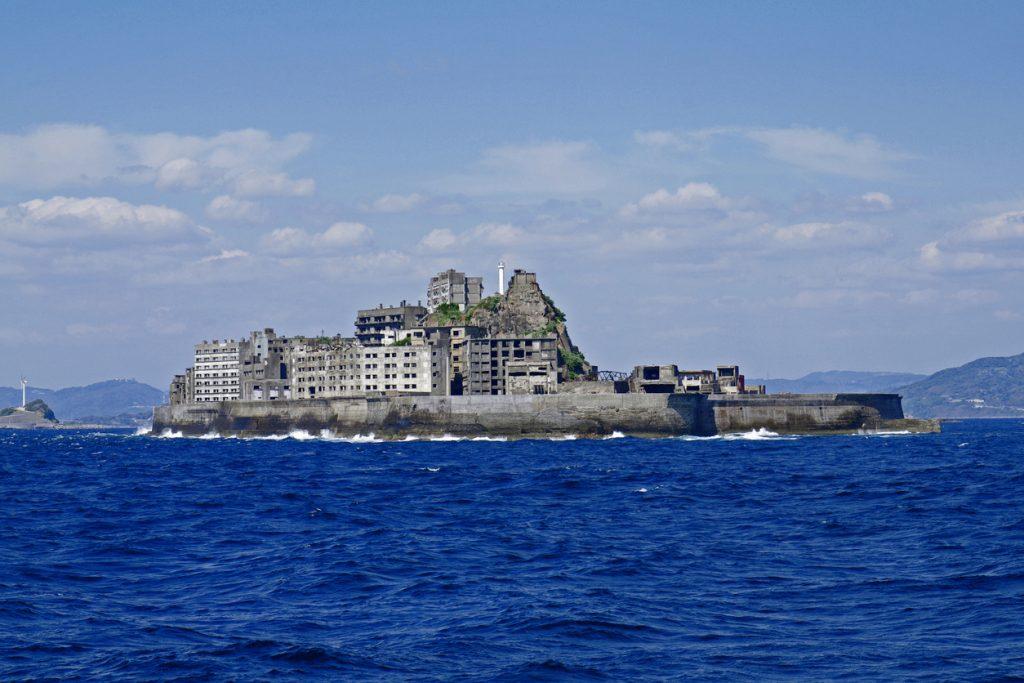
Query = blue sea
x=745 y=557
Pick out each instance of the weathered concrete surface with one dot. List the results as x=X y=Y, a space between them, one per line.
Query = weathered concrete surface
x=808 y=413
x=542 y=415
x=515 y=416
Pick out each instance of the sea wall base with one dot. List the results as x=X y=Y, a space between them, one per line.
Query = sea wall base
x=650 y=415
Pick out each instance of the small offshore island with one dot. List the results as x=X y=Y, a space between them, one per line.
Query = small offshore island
x=468 y=365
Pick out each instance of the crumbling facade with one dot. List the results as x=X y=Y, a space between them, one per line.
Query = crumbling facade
x=454 y=287
x=669 y=379
x=462 y=343
x=381 y=325
x=518 y=365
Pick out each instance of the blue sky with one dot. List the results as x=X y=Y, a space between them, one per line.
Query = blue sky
x=792 y=187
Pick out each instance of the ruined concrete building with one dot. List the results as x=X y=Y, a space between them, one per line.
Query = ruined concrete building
x=454 y=287
x=461 y=343
x=669 y=379
x=381 y=325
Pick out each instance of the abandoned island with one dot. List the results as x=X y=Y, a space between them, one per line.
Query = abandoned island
x=466 y=364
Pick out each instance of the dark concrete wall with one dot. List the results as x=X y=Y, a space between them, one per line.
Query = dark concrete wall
x=517 y=416
x=538 y=415
x=804 y=412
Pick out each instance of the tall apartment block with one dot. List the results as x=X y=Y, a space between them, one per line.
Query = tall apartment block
x=453 y=287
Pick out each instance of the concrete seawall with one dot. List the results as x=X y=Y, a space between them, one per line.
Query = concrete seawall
x=541 y=415
x=798 y=413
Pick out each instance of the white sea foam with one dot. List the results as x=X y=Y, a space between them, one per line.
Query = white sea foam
x=432 y=469
x=211 y=435
x=300 y=435
x=447 y=437
x=489 y=438
x=641 y=490
x=168 y=434
x=761 y=434
x=411 y=438
x=688 y=437
x=268 y=437
x=564 y=437
x=143 y=431
x=365 y=438
x=615 y=435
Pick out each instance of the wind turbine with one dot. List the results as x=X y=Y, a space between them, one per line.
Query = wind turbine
x=24 y=386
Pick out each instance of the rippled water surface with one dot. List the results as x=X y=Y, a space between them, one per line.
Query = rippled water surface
x=868 y=557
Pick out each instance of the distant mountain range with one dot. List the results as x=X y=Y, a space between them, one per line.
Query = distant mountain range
x=840 y=381
x=116 y=401
x=987 y=387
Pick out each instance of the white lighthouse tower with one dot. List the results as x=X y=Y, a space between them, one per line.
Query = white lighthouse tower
x=24 y=386
x=501 y=277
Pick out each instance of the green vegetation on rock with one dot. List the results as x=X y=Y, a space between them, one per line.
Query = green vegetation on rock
x=488 y=304
x=546 y=331
x=35 y=406
x=559 y=315
x=573 y=360
x=448 y=314
x=403 y=342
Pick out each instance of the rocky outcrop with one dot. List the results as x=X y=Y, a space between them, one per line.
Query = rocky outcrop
x=35 y=414
x=523 y=311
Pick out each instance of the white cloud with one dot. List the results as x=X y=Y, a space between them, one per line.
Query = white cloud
x=180 y=174
x=1004 y=226
x=690 y=197
x=549 y=168
x=877 y=201
x=439 y=239
x=814 y=149
x=992 y=243
x=295 y=241
x=502 y=234
x=65 y=155
x=397 y=203
x=62 y=219
x=225 y=255
x=829 y=234
x=939 y=258
x=663 y=138
x=263 y=184
x=345 y=234
x=227 y=208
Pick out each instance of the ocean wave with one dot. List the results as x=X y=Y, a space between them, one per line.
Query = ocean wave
x=761 y=434
x=447 y=437
x=328 y=435
x=615 y=435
